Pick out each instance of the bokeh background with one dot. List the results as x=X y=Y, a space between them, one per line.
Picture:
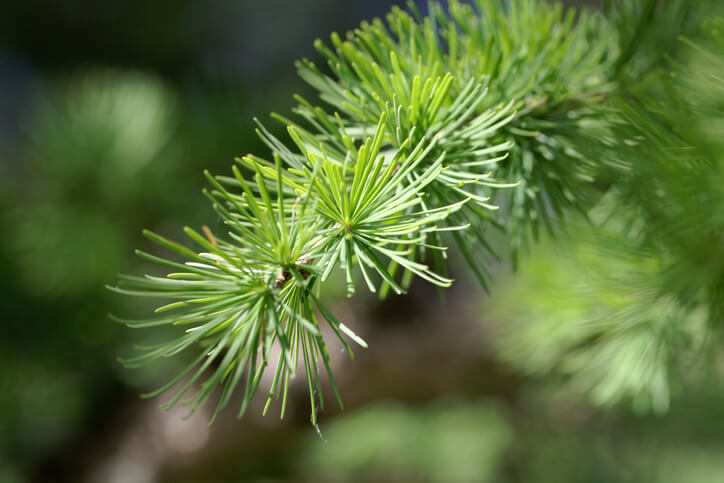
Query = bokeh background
x=109 y=112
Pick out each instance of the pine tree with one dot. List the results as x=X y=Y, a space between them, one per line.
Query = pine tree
x=474 y=122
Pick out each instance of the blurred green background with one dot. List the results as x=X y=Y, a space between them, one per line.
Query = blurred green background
x=109 y=112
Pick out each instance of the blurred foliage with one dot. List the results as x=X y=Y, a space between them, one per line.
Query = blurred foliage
x=592 y=315
x=89 y=164
x=628 y=297
x=670 y=187
x=445 y=441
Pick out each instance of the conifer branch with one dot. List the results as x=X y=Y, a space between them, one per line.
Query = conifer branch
x=431 y=130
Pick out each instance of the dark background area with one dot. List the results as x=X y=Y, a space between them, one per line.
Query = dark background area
x=109 y=112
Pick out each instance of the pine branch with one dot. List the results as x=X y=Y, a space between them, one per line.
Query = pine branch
x=431 y=130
